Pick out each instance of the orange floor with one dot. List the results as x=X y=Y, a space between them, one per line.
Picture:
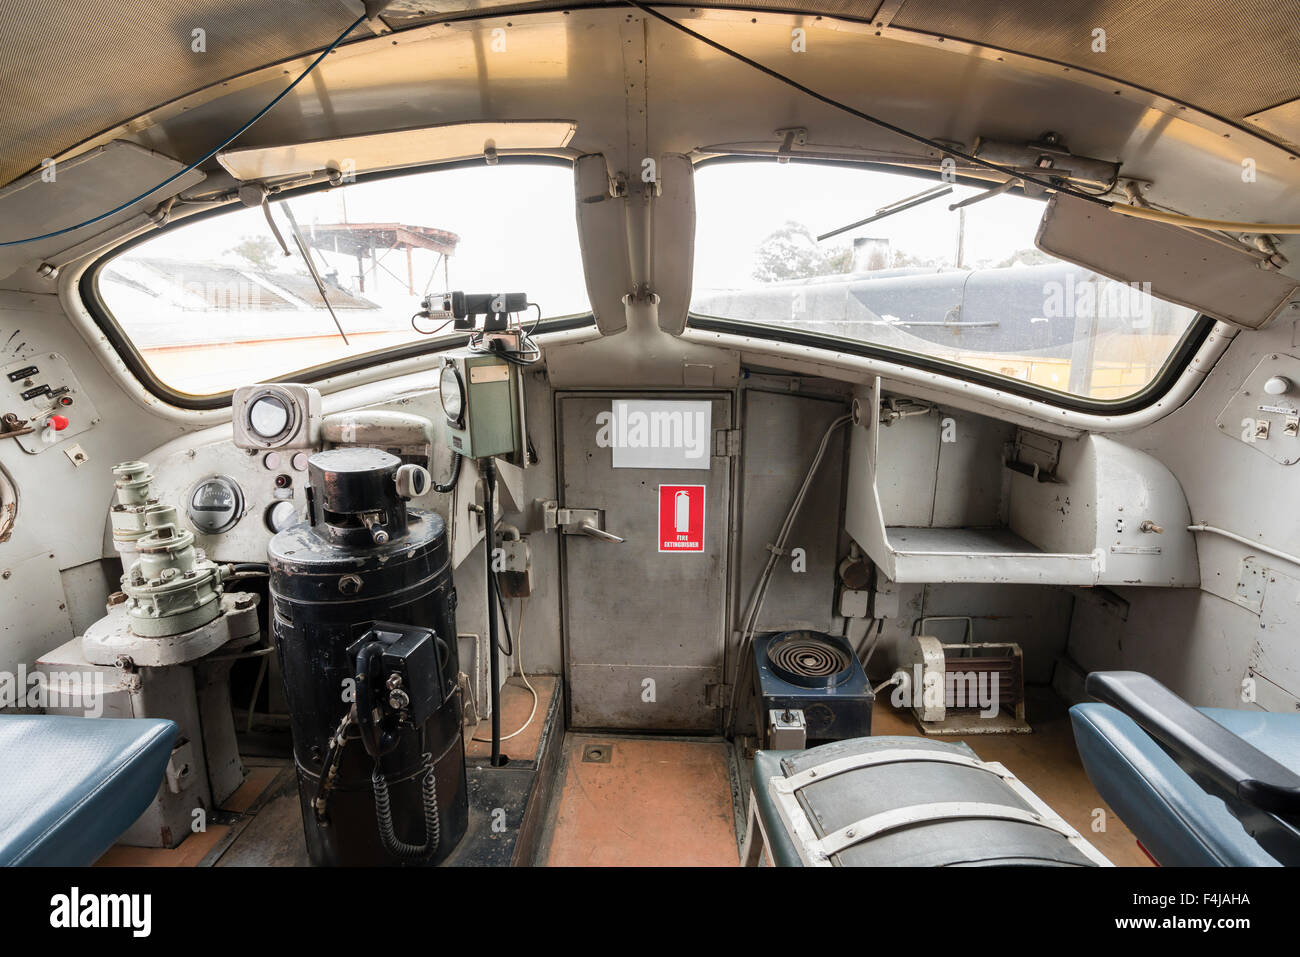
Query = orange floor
x=652 y=802
x=1048 y=763
x=192 y=851
x=516 y=703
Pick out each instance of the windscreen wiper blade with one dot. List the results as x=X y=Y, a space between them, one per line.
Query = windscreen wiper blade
x=933 y=192
x=311 y=268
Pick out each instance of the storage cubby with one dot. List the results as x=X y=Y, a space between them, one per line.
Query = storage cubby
x=941 y=495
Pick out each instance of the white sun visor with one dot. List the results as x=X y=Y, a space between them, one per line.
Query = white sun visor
x=399 y=148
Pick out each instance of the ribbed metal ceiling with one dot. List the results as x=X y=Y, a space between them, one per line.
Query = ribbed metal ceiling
x=71 y=69
x=1231 y=59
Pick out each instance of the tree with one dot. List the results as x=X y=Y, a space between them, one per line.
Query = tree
x=256 y=251
x=792 y=252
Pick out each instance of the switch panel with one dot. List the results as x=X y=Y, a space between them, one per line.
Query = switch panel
x=1265 y=412
x=43 y=391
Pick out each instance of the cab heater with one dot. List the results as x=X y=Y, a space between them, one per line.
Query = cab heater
x=810 y=682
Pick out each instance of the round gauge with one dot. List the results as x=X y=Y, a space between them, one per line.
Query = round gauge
x=215 y=505
x=269 y=416
x=281 y=515
x=452 y=391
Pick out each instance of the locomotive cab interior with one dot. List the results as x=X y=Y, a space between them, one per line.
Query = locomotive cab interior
x=523 y=434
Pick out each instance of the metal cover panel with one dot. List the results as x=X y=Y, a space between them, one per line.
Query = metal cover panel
x=397 y=149
x=1182 y=266
x=632 y=614
x=82 y=188
x=779 y=439
x=1283 y=121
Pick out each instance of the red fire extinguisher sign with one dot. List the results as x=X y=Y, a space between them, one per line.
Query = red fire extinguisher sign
x=681 y=518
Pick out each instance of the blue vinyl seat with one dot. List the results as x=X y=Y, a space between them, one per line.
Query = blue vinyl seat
x=1174 y=818
x=70 y=786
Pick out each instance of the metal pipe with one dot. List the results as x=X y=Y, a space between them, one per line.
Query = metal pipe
x=1245 y=541
x=488 y=470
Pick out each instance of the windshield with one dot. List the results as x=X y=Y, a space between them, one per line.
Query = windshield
x=229 y=299
x=964 y=285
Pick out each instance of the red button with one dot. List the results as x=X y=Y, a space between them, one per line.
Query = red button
x=58 y=422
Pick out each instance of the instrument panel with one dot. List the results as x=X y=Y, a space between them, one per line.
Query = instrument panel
x=236 y=493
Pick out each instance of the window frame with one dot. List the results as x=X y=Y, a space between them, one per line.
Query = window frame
x=88 y=290
x=1175 y=364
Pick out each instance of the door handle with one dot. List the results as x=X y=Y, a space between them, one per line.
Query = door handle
x=590 y=530
x=577 y=521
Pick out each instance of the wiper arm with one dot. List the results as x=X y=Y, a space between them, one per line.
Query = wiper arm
x=933 y=193
x=311 y=268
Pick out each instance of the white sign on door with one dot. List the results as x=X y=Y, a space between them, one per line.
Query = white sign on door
x=657 y=433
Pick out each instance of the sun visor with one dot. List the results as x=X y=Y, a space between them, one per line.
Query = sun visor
x=396 y=149
x=1184 y=266
x=674 y=241
x=602 y=235
x=72 y=191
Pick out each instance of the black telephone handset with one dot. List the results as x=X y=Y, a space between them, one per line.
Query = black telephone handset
x=378 y=740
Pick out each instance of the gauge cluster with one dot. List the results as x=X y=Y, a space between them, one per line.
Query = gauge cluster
x=235 y=493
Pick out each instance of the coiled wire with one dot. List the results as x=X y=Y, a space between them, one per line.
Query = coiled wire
x=384 y=817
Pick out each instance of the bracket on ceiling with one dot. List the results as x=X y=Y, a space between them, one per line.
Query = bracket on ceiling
x=790 y=137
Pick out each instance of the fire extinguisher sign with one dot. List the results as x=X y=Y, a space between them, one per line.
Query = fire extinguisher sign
x=681 y=518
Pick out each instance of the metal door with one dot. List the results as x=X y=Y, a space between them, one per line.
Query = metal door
x=644 y=629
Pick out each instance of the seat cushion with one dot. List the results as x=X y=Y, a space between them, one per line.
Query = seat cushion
x=1176 y=821
x=69 y=786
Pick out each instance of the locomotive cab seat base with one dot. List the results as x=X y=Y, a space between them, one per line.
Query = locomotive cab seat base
x=70 y=786
x=901 y=801
x=1177 y=820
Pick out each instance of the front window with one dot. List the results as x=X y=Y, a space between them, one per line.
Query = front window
x=217 y=303
x=966 y=286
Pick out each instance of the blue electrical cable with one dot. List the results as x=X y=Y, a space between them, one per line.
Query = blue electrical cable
x=206 y=156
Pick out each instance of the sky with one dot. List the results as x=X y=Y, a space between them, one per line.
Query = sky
x=740 y=204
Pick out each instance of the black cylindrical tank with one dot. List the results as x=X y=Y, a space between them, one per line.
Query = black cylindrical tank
x=363 y=558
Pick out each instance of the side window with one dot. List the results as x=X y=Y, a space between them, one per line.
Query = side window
x=217 y=303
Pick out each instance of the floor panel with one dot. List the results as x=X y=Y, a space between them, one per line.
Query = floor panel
x=642 y=802
x=1047 y=761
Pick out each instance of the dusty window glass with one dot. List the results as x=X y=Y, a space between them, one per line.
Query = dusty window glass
x=967 y=286
x=215 y=304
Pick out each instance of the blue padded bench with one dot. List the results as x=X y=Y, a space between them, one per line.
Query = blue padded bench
x=70 y=786
x=1170 y=771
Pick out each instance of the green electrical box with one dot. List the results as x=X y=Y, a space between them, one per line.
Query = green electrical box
x=480 y=398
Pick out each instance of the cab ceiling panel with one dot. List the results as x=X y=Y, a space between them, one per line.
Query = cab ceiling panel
x=74 y=68
x=1229 y=59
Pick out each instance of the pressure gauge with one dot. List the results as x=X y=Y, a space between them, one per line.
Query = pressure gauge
x=452 y=391
x=215 y=505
